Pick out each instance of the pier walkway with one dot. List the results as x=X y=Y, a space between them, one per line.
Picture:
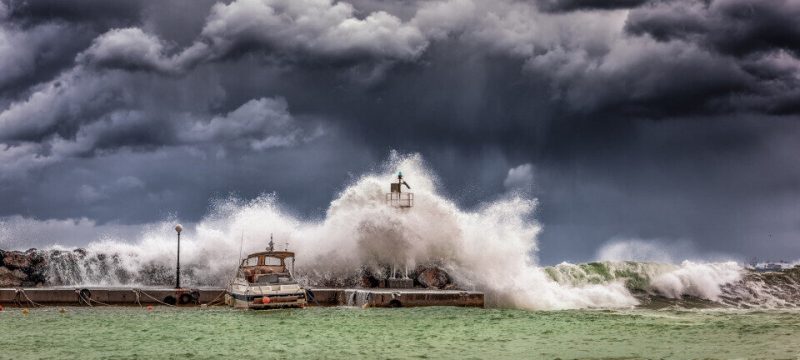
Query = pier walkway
x=127 y=296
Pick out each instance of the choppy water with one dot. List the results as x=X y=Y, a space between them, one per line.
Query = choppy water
x=353 y=333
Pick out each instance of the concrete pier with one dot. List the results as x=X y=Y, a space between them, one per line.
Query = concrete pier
x=110 y=296
x=397 y=297
x=26 y=297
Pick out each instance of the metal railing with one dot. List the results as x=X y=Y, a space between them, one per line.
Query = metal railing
x=402 y=200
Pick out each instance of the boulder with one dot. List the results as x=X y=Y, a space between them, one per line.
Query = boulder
x=369 y=281
x=27 y=268
x=37 y=270
x=433 y=277
x=16 y=260
x=11 y=278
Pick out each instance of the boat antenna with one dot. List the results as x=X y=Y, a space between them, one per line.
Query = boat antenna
x=271 y=243
x=241 y=247
x=400 y=180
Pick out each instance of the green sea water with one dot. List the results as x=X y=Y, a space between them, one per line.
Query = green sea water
x=406 y=333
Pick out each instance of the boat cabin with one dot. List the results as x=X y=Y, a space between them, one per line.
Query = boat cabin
x=268 y=267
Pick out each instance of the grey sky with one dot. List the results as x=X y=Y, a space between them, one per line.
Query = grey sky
x=627 y=119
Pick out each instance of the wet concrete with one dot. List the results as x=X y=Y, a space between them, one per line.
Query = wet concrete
x=154 y=296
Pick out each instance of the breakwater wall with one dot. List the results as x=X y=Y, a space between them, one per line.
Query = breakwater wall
x=32 y=297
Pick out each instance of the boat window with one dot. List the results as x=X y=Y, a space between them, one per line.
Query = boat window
x=268 y=279
x=251 y=261
x=275 y=279
x=271 y=261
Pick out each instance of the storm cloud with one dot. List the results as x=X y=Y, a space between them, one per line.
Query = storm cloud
x=642 y=120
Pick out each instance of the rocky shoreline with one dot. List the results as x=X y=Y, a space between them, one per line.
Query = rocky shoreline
x=38 y=268
x=23 y=268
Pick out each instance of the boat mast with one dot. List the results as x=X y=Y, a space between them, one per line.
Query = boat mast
x=271 y=244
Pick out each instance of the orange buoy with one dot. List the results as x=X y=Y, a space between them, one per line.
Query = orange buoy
x=149 y=307
x=2 y=308
x=265 y=300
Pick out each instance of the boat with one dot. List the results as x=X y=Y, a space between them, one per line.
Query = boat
x=264 y=281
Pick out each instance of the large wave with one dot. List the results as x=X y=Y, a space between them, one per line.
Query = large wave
x=722 y=283
x=490 y=248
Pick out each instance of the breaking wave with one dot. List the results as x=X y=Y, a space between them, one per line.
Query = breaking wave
x=490 y=249
x=722 y=283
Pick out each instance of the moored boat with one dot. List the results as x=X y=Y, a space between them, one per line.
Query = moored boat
x=265 y=281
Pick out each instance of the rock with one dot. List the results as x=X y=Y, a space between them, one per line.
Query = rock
x=450 y=286
x=369 y=281
x=37 y=270
x=11 y=278
x=15 y=260
x=27 y=268
x=433 y=277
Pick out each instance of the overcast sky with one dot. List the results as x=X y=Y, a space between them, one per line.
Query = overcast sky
x=673 y=120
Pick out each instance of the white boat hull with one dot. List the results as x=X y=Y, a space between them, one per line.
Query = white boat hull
x=243 y=296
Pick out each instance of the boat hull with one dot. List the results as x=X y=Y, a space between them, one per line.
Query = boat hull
x=255 y=301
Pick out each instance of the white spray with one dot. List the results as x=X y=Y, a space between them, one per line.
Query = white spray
x=490 y=248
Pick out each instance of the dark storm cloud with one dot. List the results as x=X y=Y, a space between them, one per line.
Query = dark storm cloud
x=290 y=30
x=665 y=120
x=43 y=37
x=572 y=5
x=82 y=113
x=737 y=27
x=761 y=39
x=93 y=12
x=32 y=55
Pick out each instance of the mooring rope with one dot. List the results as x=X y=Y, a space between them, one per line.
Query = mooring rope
x=82 y=298
x=154 y=299
x=21 y=291
x=99 y=302
x=313 y=297
x=137 y=297
x=213 y=302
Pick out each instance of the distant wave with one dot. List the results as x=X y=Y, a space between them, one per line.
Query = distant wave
x=723 y=283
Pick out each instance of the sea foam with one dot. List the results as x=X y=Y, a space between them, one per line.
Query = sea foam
x=490 y=248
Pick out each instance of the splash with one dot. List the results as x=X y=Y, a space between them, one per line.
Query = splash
x=490 y=248
x=717 y=283
x=700 y=280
